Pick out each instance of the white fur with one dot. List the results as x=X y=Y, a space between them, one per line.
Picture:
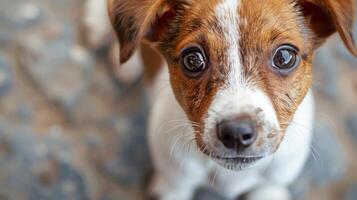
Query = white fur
x=228 y=19
x=270 y=192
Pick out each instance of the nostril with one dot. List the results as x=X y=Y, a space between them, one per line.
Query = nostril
x=246 y=132
x=225 y=134
x=247 y=137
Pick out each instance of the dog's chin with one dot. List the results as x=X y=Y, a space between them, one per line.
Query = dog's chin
x=238 y=163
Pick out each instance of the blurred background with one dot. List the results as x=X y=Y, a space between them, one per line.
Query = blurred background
x=72 y=127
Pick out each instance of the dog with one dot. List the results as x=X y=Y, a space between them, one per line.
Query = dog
x=229 y=87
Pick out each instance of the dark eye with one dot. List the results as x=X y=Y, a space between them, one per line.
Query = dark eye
x=286 y=59
x=193 y=61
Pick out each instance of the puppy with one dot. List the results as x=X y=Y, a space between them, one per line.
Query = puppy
x=232 y=105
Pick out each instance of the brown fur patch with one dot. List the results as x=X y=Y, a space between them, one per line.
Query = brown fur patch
x=324 y=17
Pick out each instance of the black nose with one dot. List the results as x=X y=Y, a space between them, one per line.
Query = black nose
x=237 y=134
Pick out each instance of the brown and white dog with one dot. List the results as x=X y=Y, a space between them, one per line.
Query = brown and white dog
x=231 y=102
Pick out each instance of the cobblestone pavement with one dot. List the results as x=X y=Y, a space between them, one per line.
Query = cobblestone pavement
x=70 y=130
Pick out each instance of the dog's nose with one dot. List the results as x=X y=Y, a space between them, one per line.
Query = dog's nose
x=237 y=134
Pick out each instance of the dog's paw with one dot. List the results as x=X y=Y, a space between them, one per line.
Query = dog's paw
x=271 y=192
x=162 y=189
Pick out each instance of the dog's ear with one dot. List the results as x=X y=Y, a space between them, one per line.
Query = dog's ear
x=325 y=17
x=137 y=20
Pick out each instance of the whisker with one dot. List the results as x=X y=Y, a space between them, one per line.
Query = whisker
x=214 y=178
x=177 y=138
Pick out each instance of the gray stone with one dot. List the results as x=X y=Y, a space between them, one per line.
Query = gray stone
x=61 y=69
x=346 y=55
x=65 y=183
x=24 y=111
x=132 y=165
x=6 y=151
x=351 y=123
x=4 y=37
x=16 y=16
x=325 y=69
x=100 y=105
x=35 y=168
x=351 y=193
x=21 y=14
x=6 y=32
x=5 y=76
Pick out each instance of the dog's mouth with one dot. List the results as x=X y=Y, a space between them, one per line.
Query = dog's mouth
x=237 y=163
x=240 y=159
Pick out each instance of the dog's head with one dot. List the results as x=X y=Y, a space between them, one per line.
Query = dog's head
x=238 y=68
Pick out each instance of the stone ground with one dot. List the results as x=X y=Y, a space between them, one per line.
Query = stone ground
x=70 y=130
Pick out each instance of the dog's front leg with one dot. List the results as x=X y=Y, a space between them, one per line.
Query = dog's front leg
x=173 y=188
x=269 y=192
x=178 y=178
x=251 y=185
x=179 y=167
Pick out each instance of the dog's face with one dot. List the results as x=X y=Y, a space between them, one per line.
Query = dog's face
x=238 y=68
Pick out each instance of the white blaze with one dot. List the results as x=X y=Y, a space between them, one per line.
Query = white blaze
x=237 y=97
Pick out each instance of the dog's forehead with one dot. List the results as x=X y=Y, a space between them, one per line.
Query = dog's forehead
x=254 y=19
x=239 y=37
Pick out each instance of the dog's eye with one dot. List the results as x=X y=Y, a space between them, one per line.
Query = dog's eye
x=286 y=59
x=193 y=61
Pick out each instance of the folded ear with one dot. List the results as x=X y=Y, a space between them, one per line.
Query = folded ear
x=325 y=17
x=135 y=20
